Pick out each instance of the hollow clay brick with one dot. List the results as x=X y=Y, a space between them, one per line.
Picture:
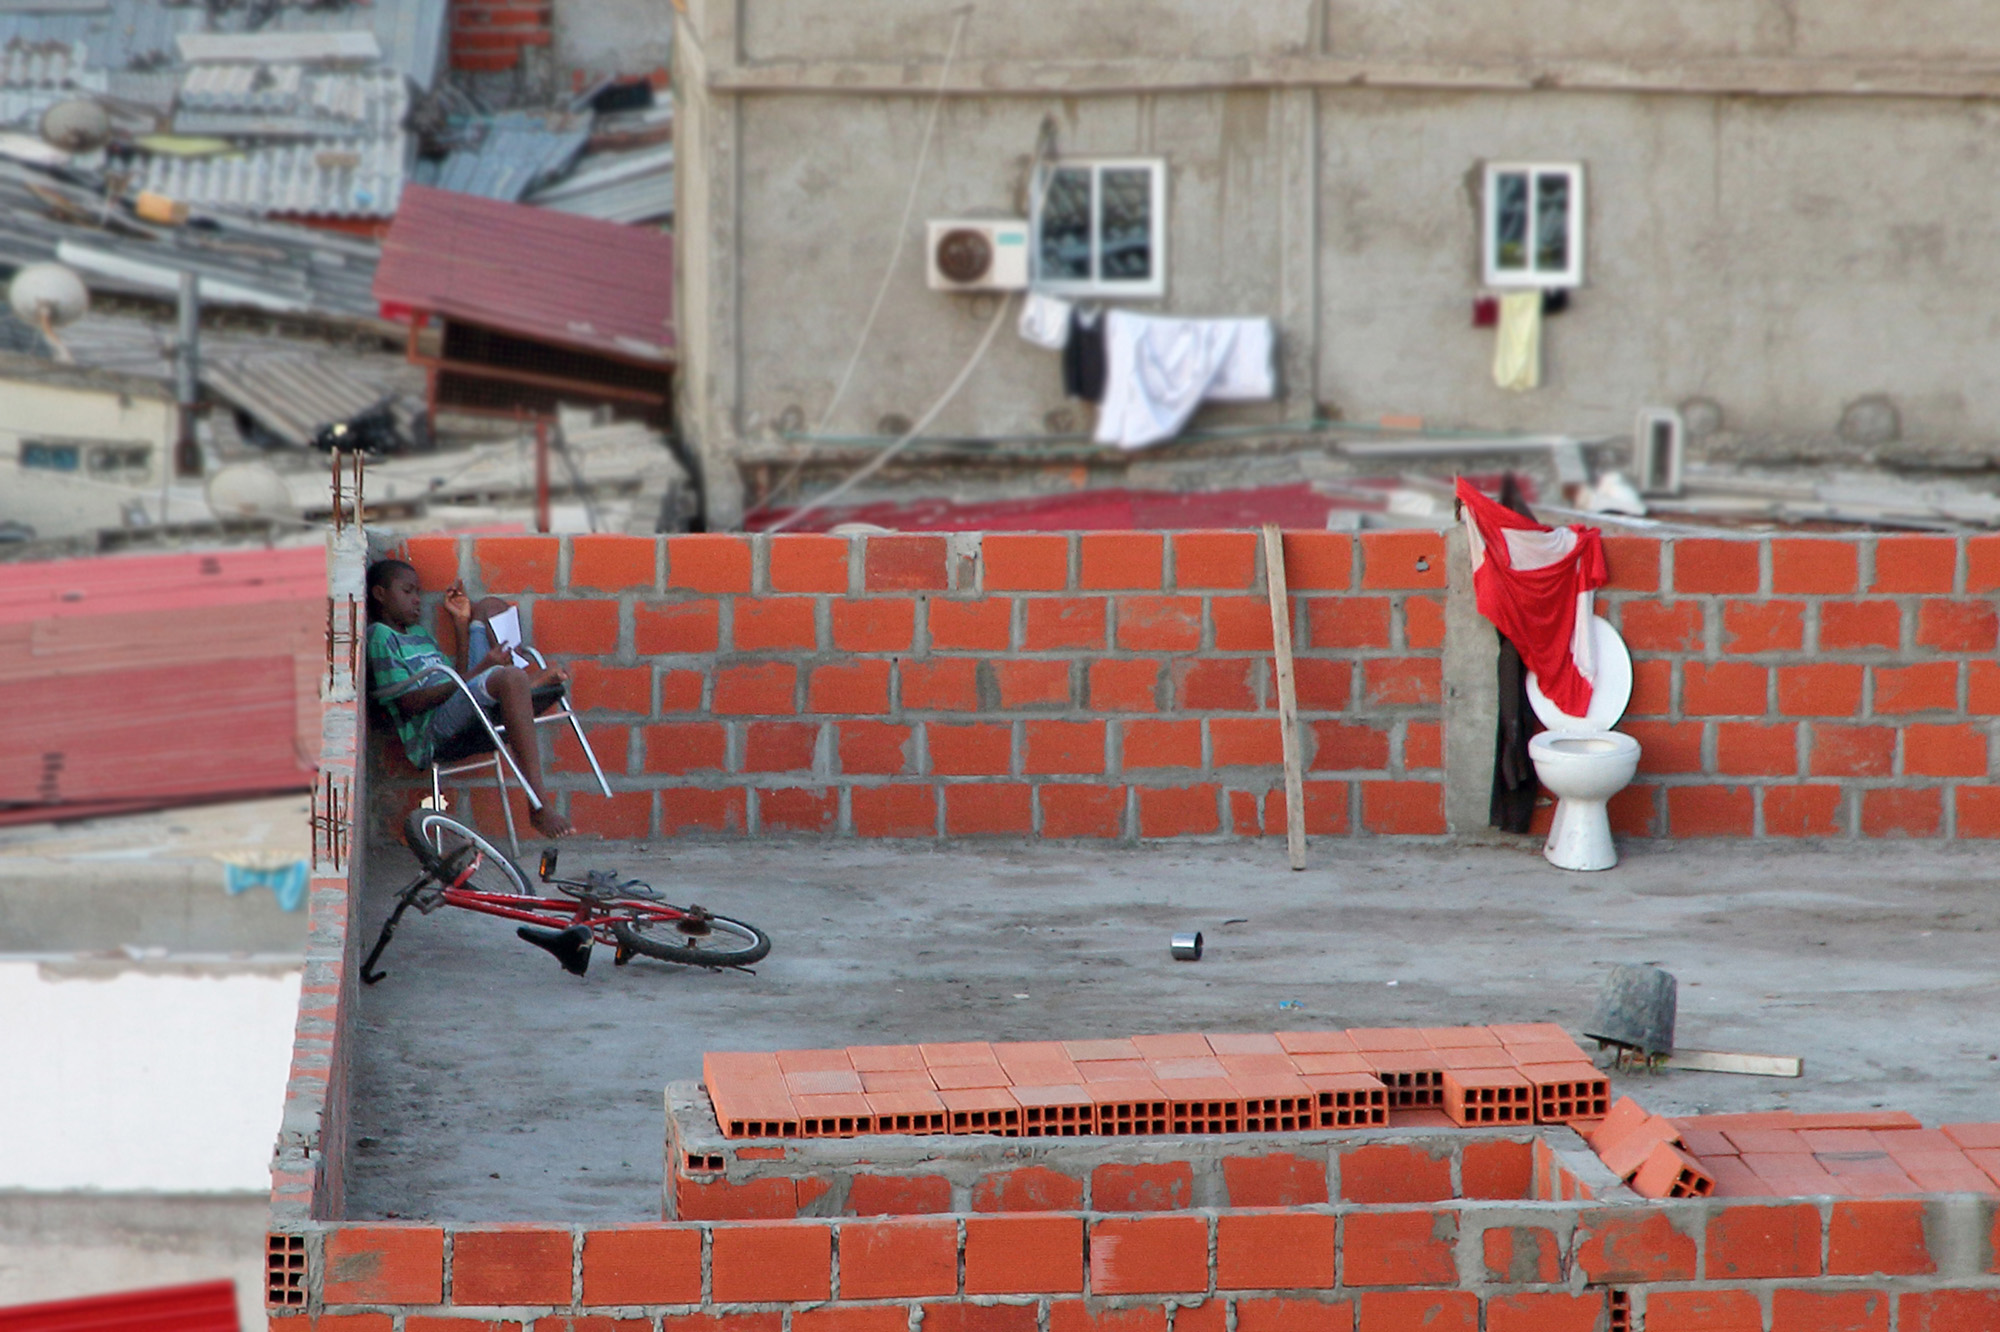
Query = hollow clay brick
x=1159 y=624
x=898 y=1259
x=1149 y=1255
x=1716 y=565
x=1222 y=560
x=808 y=563
x=1402 y=560
x=878 y=624
x=1546 y=1311
x=1866 y=1238
x=1054 y=624
x=1164 y=1187
x=1277 y=1251
x=642 y=1264
x=1914 y=564
x=1614 y=1247
x=1814 y=567
x=387 y=1264
x=676 y=626
x=1121 y=561
x=962 y=626
x=1318 y=561
x=708 y=563
x=1022 y=562
x=904 y=563
x=1393 y=1173
x=512 y=1265
x=508 y=565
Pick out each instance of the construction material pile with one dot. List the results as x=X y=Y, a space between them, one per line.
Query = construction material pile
x=1782 y=1154
x=1524 y=1073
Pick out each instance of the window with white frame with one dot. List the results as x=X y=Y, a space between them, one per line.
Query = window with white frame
x=1100 y=228
x=1533 y=224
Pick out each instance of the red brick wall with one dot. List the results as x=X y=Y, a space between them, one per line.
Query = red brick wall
x=1118 y=685
x=1810 y=687
x=1826 y=1265
x=1097 y=685
x=487 y=35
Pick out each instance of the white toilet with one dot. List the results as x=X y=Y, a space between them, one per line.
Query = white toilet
x=1583 y=760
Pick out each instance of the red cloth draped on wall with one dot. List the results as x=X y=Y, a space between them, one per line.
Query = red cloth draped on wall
x=1535 y=583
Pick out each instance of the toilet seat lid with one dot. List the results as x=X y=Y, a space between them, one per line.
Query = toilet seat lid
x=1609 y=694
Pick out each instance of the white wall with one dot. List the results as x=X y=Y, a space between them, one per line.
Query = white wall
x=166 y=1078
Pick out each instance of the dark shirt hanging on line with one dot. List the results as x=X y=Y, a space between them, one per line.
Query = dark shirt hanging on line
x=1083 y=357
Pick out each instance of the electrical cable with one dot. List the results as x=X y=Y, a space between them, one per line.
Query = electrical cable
x=889 y=271
x=880 y=460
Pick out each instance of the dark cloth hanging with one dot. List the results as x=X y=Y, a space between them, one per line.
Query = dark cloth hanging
x=1083 y=365
x=1515 y=785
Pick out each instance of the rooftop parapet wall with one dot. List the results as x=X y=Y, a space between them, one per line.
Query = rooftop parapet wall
x=1119 y=685
x=1810 y=687
x=1102 y=685
x=1458 y=1266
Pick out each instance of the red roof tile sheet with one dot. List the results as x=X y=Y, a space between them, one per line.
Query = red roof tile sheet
x=575 y=281
x=149 y=681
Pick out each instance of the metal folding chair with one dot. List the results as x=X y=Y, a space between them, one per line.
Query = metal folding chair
x=501 y=760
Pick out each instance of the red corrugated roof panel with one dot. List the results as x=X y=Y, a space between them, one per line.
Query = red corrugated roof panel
x=575 y=281
x=158 y=680
x=207 y=1307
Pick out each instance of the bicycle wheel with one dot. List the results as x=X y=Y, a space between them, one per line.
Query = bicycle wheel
x=458 y=857
x=688 y=935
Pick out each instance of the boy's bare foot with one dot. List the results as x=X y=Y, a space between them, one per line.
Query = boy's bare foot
x=549 y=823
x=547 y=675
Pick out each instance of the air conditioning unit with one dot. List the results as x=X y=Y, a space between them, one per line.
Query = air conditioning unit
x=977 y=255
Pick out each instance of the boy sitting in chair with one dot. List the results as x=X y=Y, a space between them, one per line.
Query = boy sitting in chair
x=432 y=715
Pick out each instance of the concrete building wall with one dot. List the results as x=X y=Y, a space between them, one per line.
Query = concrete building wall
x=57 y=504
x=1772 y=221
x=54 y=411
x=595 y=37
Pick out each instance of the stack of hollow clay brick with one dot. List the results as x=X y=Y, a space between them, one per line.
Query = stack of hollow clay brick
x=1783 y=1154
x=1188 y=1082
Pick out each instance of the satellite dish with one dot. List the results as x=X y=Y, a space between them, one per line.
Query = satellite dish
x=77 y=126
x=48 y=294
x=250 y=490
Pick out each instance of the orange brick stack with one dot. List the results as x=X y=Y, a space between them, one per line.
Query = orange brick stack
x=1868 y=1154
x=1183 y=1083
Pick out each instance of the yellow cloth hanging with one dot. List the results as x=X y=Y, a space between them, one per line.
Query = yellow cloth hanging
x=1517 y=355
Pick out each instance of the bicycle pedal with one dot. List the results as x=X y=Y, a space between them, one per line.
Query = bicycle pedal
x=622 y=956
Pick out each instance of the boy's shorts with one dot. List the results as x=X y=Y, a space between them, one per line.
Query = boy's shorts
x=454 y=728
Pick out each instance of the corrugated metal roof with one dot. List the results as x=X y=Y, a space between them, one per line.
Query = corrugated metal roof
x=143 y=33
x=34 y=76
x=574 y=281
x=241 y=260
x=510 y=153
x=290 y=101
x=290 y=395
x=316 y=178
x=35 y=369
x=620 y=187
x=279 y=48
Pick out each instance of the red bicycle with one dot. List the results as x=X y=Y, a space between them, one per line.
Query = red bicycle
x=462 y=869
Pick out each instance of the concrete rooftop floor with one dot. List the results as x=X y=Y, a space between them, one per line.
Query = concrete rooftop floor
x=491 y=1086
